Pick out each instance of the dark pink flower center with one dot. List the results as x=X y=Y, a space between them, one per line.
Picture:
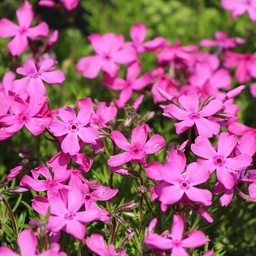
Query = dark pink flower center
x=87 y=197
x=219 y=160
x=194 y=115
x=23 y=119
x=36 y=75
x=70 y=216
x=107 y=57
x=184 y=184
x=176 y=243
x=73 y=127
x=51 y=183
x=22 y=30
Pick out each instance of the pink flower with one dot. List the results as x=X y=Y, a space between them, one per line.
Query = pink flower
x=190 y=114
x=23 y=31
x=65 y=214
x=49 y=183
x=239 y=7
x=96 y=244
x=110 y=49
x=177 y=184
x=130 y=84
x=72 y=127
x=221 y=158
x=222 y=41
x=174 y=241
x=27 y=242
x=138 y=148
x=138 y=34
x=245 y=63
x=32 y=114
x=33 y=82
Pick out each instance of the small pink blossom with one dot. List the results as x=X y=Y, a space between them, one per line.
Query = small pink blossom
x=23 y=31
x=110 y=49
x=239 y=7
x=223 y=41
x=138 y=148
x=33 y=82
x=96 y=243
x=73 y=127
x=191 y=113
x=174 y=241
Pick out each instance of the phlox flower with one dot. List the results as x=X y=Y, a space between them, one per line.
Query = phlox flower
x=6 y=92
x=65 y=214
x=137 y=149
x=110 y=49
x=68 y=4
x=33 y=82
x=23 y=31
x=73 y=127
x=103 y=113
x=245 y=63
x=189 y=113
x=130 y=84
x=49 y=183
x=27 y=242
x=32 y=114
x=174 y=241
x=177 y=185
x=239 y=7
x=177 y=54
x=96 y=243
x=138 y=34
x=222 y=41
x=220 y=159
x=207 y=76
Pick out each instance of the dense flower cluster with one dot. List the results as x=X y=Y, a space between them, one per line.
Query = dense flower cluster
x=215 y=159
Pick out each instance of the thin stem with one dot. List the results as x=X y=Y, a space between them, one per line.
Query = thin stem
x=11 y=215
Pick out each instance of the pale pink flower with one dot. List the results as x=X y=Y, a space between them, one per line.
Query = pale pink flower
x=138 y=148
x=110 y=49
x=33 y=82
x=23 y=31
x=190 y=112
x=175 y=241
x=239 y=7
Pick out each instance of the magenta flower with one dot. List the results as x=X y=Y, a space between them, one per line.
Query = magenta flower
x=49 y=183
x=245 y=63
x=130 y=84
x=96 y=243
x=138 y=148
x=190 y=114
x=174 y=241
x=177 y=184
x=72 y=127
x=27 y=242
x=30 y=114
x=222 y=41
x=33 y=82
x=239 y=7
x=110 y=49
x=23 y=31
x=138 y=34
x=220 y=159
x=65 y=214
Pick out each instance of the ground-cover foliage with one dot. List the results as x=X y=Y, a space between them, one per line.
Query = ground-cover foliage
x=127 y=142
